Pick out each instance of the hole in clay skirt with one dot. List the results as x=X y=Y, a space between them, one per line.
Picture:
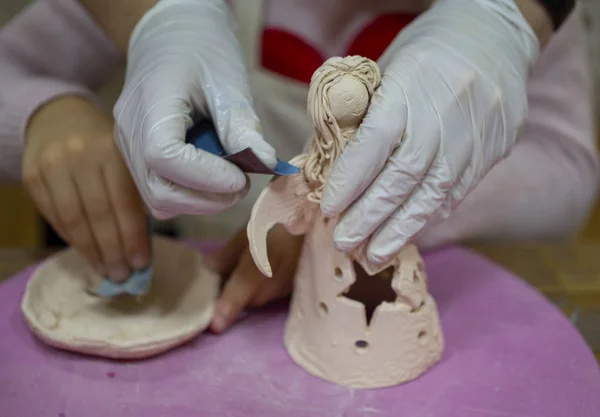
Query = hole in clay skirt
x=338 y=273
x=422 y=334
x=369 y=291
x=415 y=277
x=323 y=307
x=361 y=344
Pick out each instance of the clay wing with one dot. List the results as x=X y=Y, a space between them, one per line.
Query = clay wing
x=284 y=201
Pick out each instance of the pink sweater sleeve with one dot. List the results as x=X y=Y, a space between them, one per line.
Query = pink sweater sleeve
x=52 y=48
x=547 y=186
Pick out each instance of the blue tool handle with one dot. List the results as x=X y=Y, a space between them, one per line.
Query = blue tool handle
x=203 y=135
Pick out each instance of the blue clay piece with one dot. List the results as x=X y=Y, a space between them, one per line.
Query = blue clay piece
x=137 y=284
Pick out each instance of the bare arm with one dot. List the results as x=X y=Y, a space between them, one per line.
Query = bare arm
x=538 y=18
x=118 y=17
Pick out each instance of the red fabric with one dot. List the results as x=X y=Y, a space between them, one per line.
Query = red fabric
x=374 y=39
x=286 y=54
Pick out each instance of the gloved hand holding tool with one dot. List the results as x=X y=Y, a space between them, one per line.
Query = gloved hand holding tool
x=185 y=65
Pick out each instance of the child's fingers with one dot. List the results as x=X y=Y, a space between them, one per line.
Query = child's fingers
x=239 y=291
x=36 y=187
x=226 y=259
x=102 y=220
x=70 y=213
x=130 y=216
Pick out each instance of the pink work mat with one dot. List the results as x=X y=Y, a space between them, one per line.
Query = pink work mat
x=509 y=352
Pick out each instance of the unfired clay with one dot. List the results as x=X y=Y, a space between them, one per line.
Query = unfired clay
x=179 y=305
x=327 y=331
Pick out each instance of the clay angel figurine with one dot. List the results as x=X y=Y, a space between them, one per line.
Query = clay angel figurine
x=350 y=322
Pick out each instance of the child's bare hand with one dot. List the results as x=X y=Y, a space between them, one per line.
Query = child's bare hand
x=245 y=285
x=80 y=184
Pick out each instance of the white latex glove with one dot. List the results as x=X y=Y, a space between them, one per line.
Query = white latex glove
x=450 y=105
x=185 y=63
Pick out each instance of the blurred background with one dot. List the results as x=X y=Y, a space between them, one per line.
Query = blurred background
x=21 y=226
x=566 y=272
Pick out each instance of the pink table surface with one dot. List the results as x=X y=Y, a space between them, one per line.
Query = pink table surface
x=509 y=353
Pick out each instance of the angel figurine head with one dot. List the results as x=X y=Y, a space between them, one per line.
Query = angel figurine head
x=338 y=98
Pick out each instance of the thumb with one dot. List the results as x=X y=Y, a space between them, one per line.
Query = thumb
x=239 y=128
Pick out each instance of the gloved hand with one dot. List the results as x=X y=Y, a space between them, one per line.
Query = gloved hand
x=185 y=63
x=80 y=184
x=450 y=105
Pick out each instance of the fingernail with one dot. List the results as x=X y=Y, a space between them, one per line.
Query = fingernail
x=221 y=317
x=140 y=261
x=218 y=324
x=118 y=273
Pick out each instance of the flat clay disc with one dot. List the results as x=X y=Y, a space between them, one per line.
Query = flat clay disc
x=63 y=313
